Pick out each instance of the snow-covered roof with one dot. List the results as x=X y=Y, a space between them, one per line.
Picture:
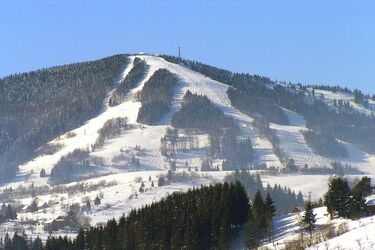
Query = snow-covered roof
x=370 y=200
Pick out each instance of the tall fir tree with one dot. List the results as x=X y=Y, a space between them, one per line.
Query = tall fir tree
x=309 y=218
x=337 y=199
x=259 y=214
x=270 y=212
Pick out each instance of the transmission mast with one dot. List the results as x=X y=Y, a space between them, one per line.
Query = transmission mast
x=179 y=52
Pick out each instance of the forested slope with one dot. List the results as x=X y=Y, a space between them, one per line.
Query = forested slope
x=37 y=106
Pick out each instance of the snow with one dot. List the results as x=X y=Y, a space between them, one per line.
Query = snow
x=316 y=184
x=123 y=181
x=360 y=236
x=329 y=97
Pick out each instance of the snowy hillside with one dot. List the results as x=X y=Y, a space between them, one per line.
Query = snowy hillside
x=148 y=136
x=117 y=181
x=329 y=234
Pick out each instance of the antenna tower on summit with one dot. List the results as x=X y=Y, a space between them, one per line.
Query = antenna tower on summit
x=179 y=52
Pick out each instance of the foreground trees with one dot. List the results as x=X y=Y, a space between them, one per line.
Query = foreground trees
x=309 y=218
x=344 y=202
x=201 y=218
x=49 y=102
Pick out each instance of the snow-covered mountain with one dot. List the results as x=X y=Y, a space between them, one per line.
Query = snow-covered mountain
x=112 y=174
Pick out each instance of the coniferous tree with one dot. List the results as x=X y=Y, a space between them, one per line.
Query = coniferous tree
x=259 y=214
x=360 y=191
x=363 y=187
x=270 y=212
x=42 y=173
x=252 y=234
x=309 y=218
x=37 y=244
x=337 y=198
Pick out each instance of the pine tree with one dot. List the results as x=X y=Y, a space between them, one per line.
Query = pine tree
x=37 y=244
x=259 y=214
x=337 y=199
x=42 y=173
x=270 y=212
x=252 y=234
x=309 y=218
x=7 y=242
x=363 y=187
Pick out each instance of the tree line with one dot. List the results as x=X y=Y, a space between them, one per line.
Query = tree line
x=346 y=202
x=49 y=102
x=156 y=96
x=135 y=75
x=199 y=113
x=203 y=218
x=345 y=124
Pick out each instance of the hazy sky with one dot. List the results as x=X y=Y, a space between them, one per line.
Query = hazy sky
x=330 y=42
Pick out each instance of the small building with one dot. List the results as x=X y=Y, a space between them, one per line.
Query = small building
x=45 y=205
x=370 y=205
x=296 y=210
x=56 y=224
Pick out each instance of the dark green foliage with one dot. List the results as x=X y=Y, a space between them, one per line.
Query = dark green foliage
x=156 y=96
x=309 y=217
x=42 y=173
x=221 y=75
x=360 y=98
x=342 y=121
x=37 y=244
x=97 y=201
x=198 y=112
x=11 y=213
x=19 y=242
x=324 y=144
x=291 y=166
x=260 y=220
x=259 y=214
x=270 y=212
x=360 y=191
x=152 y=112
x=334 y=89
x=249 y=103
x=342 y=169
x=363 y=187
x=283 y=198
x=37 y=106
x=237 y=154
x=346 y=203
x=136 y=74
x=337 y=198
x=7 y=212
x=202 y=218
x=161 y=181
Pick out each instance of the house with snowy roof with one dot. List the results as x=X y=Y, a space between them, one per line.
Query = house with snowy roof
x=370 y=204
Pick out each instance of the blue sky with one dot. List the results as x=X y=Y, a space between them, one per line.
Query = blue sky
x=321 y=42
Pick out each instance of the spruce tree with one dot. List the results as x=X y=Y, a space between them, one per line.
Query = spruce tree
x=363 y=187
x=270 y=212
x=309 y=218
x=252 y=237
x=337 y=199
x=37 y=244
x=259 y=214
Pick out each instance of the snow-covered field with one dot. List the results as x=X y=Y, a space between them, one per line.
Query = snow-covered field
x=122 y=183
x=353 y=234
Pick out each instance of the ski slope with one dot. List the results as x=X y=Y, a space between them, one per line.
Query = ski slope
x=116 y=152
